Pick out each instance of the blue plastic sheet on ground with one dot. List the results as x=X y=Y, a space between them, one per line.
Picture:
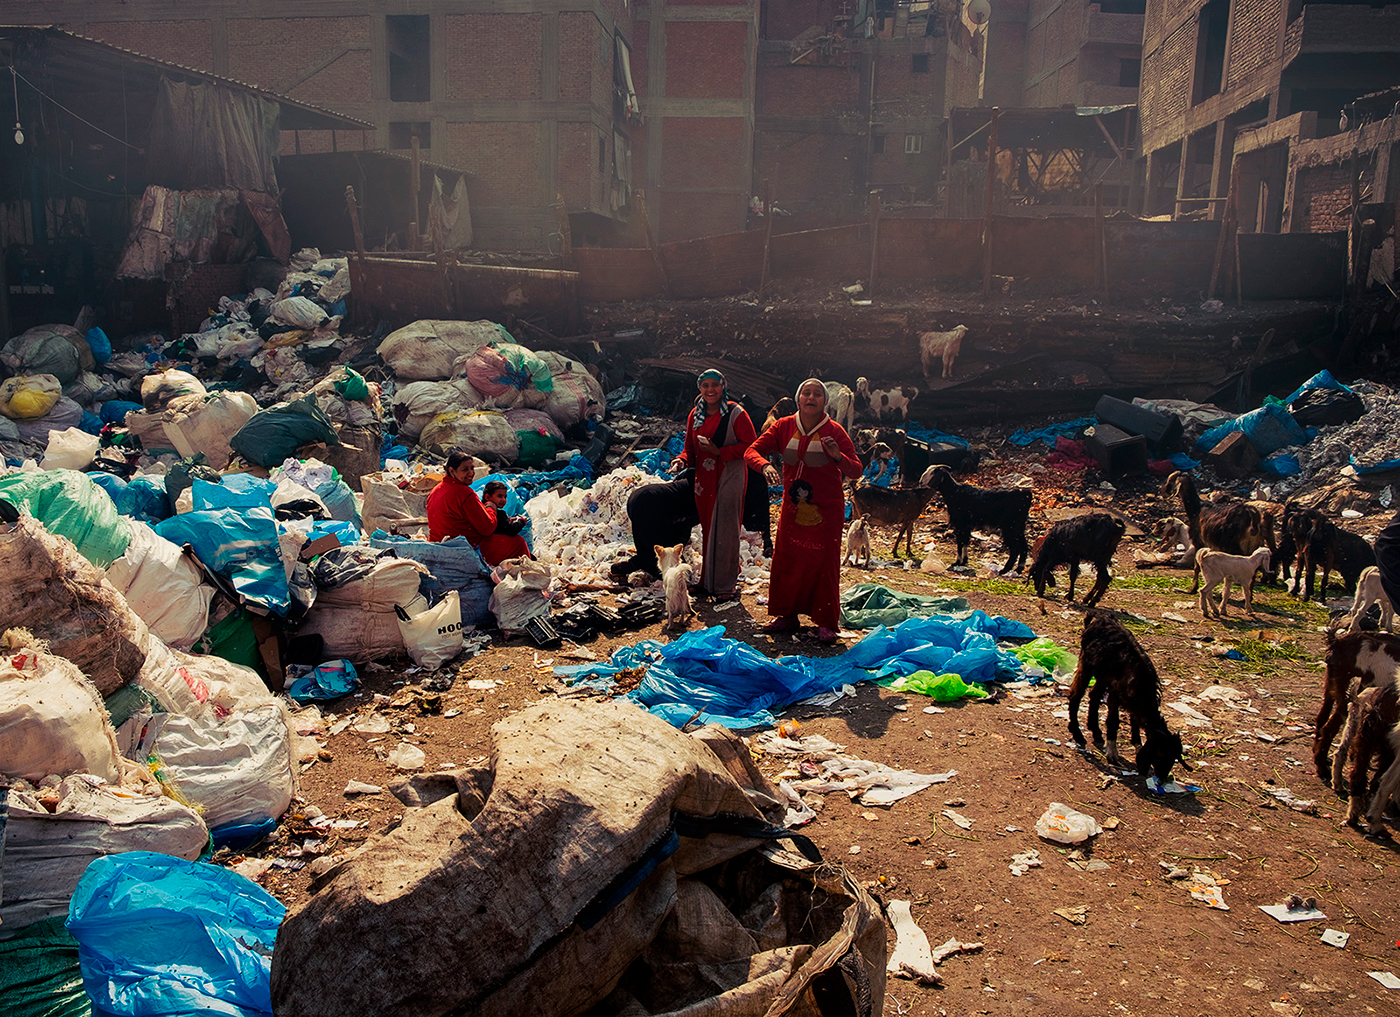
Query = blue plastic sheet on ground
x=930 y=435
x=237 y=490
x=1389 y=464
x=239 y=543
x=578 y=473
x=705 y=677
x=657 y=461
x=160 y=935
x=1269 y=428
x=1067 y=429
x=331 y=680
x=1183 y=462
x=1281 y=464
x=1322 y=379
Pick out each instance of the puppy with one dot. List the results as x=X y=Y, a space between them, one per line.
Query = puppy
x=675 y=579
x=858 y=543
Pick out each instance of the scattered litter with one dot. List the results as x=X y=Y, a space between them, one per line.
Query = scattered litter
x=1171 y=787
x=911 y=957
x=1173 y=617
x=1075 y=916
x=1078 y=860
x=961 y=821
x=1025 y=861
x=359 y=787
x=1065 y=825
x=1205 y=889
x=372 y=723
x=407 y=756
x=1294 y=909
x=482 y=684
x=864 y=781
x=934 y=709
x=1288 y=798
x=945 y=950
x=855 y=849
x=1386 y=978
x=1333 y=937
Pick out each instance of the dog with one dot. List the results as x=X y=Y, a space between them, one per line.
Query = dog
x=675 y=579
x=858 y=543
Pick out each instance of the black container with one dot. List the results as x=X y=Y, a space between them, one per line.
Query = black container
x=1117 y=452
x=1162 y=430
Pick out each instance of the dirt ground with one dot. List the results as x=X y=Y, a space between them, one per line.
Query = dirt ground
x=1145 y=946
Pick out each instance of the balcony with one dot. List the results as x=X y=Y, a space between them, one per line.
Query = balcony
x=1342 y=28
x=1111 y=29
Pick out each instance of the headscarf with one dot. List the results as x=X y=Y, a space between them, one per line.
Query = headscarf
x=797 y=398
x=700 y=409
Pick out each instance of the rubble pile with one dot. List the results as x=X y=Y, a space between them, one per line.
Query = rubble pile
x=1366 y=444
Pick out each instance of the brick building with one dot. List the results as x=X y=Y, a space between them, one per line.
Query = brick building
x=1260 y=85
x=536 y=99
x=1043 y=53
x=854 y=97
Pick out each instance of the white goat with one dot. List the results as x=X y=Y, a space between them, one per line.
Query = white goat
x=1368 y=592
x=841 y=404
x=887 y=405
x=1217 y=566
x=940 y=349
x=1172 y=532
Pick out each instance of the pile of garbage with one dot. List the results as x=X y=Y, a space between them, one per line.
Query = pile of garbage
x=1370 y=444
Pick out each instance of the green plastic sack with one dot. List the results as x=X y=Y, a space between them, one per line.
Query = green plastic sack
x=274 y=434
x=536 y=448
x=524 y=361
x=39 y=973
x=129 y=700
x=1044 y=651
x=866 y=605
x=943 y=687
x=70 y=505
x=353 y=386
x=233 y=639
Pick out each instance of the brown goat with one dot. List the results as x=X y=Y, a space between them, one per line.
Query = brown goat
x=1365 y=738
x=899 y=506
x=1373 y=658
x=1232 y=527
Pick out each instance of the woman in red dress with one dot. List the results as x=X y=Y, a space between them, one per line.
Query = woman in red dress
x=717 y=434
x=817 y=457
x=454 y=510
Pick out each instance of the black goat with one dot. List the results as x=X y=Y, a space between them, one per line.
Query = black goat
x=972 y=508
x=1123 y=674
x=1298 y=523
x=1092 y=537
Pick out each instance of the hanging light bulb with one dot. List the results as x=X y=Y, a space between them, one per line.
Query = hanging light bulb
x=19 y=134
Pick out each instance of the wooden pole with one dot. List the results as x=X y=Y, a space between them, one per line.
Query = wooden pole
x=1227 y=224
x=987 y=215
x=413 y=184
x=354 y=210
x=651 y=242
x=767 y=237
x=566 y=235
x=874 y=242
x=1100 y=250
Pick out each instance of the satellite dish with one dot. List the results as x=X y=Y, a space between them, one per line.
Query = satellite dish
x=979 y=12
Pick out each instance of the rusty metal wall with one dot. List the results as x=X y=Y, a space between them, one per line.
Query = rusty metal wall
x=397 y=291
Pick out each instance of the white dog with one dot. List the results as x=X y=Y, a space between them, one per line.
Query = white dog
x=675 y=578
x=858 y=543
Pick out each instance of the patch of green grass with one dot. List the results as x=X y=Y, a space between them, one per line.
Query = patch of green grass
x=1259 y=651
x=988 y=584
x=1157 y=584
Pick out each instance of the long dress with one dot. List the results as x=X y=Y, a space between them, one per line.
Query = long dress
x=720 y=482
x=806 y=572
x=454 y=510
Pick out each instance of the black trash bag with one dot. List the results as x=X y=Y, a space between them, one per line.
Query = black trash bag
x=1324 y=407
x=274 y=434
x=186 y=471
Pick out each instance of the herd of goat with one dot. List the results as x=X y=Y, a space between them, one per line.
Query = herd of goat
x=1225 y=543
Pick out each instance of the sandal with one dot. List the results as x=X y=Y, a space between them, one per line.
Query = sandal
x=787 y=624
x=826 y=636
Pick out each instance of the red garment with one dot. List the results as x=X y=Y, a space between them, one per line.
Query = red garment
x=720 y=480
x=806 y=572
x=454 y=510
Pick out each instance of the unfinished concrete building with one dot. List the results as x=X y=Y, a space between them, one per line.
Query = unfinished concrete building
x=547 y=106
x=1043 y=53
x=1258 y=88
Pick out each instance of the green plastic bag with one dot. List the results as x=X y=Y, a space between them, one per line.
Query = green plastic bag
x=943 y=687
x=71 y=505
x=39 y=974
x=233 y=639
x=353 y=386
x=536 y=448
x=866 y=605
x=1048 y=654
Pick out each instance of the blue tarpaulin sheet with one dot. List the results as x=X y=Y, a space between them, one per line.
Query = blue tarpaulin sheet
x=930 y=435
x=1322 y=379
x=705 y=677
x=657 y=461
x=1067 y=429
x=1269 y=428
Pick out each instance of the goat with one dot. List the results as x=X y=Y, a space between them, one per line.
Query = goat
x=1369 y=656
x=841 y=404
x=887 y=405
x=940 y=349
x=867 y=438
x=1368 y=592
x=1369 y=721
x=1217 y=567
x=893 y=506
x=1231 y=527
x=1123 y=674
x=1092 y=537
x=858 y=543
x=1354 y=555
x=1173 y=532
x=972 y=508
x=1298 y=523
x=784 y=407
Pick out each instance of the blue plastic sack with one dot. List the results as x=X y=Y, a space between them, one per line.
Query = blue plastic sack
x=237 y=490
x=158 y=935
x=100 y=345
x=331 y=680
x=91 y=423
x=454 y=565
x=1067 y=429
x=1269 y=428
x=657 y=461
x=114 y=411
x=1184 y=462
x=1322 y=379
x=138 y=498
x=1283 y=464
x=237 y=543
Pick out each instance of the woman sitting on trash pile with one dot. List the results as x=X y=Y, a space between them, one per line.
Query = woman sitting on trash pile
x=817 y=456
x=711 y=488
x=454 y=510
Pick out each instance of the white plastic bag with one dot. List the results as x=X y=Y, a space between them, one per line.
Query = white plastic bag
x=52 y=719
x=163 y=586
x=432 y=635
x=71 y=449
x=299 y=311
x=1065 y=825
